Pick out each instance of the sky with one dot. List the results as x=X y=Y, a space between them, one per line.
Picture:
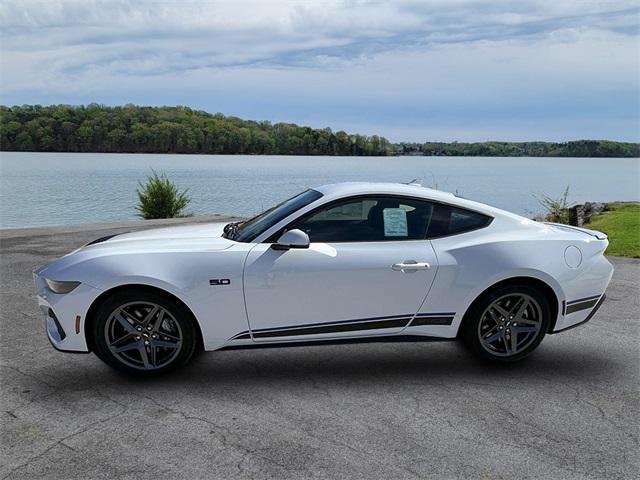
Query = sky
x=432 y=70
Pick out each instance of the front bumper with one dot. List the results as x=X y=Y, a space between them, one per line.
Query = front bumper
x=64 y=314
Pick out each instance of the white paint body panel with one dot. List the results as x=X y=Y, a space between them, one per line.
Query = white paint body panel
x=356 y=279
x=327 y=283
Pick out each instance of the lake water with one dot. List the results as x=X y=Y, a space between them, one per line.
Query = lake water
x=66 y=188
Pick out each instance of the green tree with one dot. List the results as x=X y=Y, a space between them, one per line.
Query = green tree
x=132 y=128
x=160 y=198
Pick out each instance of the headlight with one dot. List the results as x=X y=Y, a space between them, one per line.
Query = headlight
x=61 y=287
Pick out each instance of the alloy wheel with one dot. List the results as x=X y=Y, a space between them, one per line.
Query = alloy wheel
x=143 y=335
x=510 y=324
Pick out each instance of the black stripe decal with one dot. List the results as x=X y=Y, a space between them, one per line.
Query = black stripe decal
x=576 y=307
x=589 y=317
x=580 y=300
x=420 y=321
x=396 y=321
x=345 y=327
x=323 y=324
x=241 y=336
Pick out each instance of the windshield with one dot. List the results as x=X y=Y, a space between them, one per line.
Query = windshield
x=247 y=231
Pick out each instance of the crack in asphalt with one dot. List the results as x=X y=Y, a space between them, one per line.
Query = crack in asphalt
x=579 y=398
x=30 y=375
x=258 y=452
x=61 y=441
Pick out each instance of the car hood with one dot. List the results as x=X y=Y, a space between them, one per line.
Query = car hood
x=205 y=237
x=212 y=231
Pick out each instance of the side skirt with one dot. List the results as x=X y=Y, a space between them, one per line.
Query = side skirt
x=342 y=341
x=358 y=325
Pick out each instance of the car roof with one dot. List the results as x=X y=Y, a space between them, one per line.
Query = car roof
x=361 y=188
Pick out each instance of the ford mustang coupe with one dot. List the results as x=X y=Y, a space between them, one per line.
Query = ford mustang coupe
x=339 y=263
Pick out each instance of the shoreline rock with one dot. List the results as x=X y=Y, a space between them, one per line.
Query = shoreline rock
x=580 y=214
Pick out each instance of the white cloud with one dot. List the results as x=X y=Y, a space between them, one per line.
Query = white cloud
x=330 y=62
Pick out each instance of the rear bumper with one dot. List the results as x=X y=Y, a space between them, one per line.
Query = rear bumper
x=593 y=309
x=583 y=288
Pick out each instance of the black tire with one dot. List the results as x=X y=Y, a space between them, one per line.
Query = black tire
x=174 y=321
x=479 y=322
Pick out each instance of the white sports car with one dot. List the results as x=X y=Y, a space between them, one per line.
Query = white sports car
x=343 y=262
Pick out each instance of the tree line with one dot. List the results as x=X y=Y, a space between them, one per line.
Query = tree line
x=578 y=148
x=136 y=129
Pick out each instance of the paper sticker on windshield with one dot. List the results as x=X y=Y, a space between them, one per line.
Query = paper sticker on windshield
x=395 y=222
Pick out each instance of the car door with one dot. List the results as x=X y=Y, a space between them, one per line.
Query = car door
x=367 y=270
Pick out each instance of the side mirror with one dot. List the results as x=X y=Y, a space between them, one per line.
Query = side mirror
x=292 y=239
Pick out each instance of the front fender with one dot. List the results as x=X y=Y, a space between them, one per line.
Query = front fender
x=219 y=310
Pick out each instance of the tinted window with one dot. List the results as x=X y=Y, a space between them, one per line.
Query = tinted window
x=250 y=229
x=369 y=219
x=448 y=220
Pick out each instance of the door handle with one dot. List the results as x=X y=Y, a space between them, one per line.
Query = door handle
x=398 y=267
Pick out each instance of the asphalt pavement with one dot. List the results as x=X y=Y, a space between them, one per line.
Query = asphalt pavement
x=387 y=410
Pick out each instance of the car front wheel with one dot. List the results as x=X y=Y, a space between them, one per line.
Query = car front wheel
x=144 y=333
x=508 y=323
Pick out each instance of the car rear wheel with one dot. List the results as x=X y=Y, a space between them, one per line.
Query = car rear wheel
x=144 y=333
x=508 y=323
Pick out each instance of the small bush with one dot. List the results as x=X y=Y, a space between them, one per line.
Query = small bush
x=160 y=198
x=556 y=209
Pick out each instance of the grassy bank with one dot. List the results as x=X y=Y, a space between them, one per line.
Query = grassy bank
x=622 y=224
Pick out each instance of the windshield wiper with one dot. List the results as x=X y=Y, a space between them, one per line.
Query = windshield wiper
x=230 y=230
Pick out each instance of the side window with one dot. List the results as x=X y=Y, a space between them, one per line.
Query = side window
x=448 y=220
x=370 y=219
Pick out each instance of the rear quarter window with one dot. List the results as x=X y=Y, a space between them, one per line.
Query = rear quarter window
x=449 y=220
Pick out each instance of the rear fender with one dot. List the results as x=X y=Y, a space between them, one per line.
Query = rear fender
x=526 y=273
